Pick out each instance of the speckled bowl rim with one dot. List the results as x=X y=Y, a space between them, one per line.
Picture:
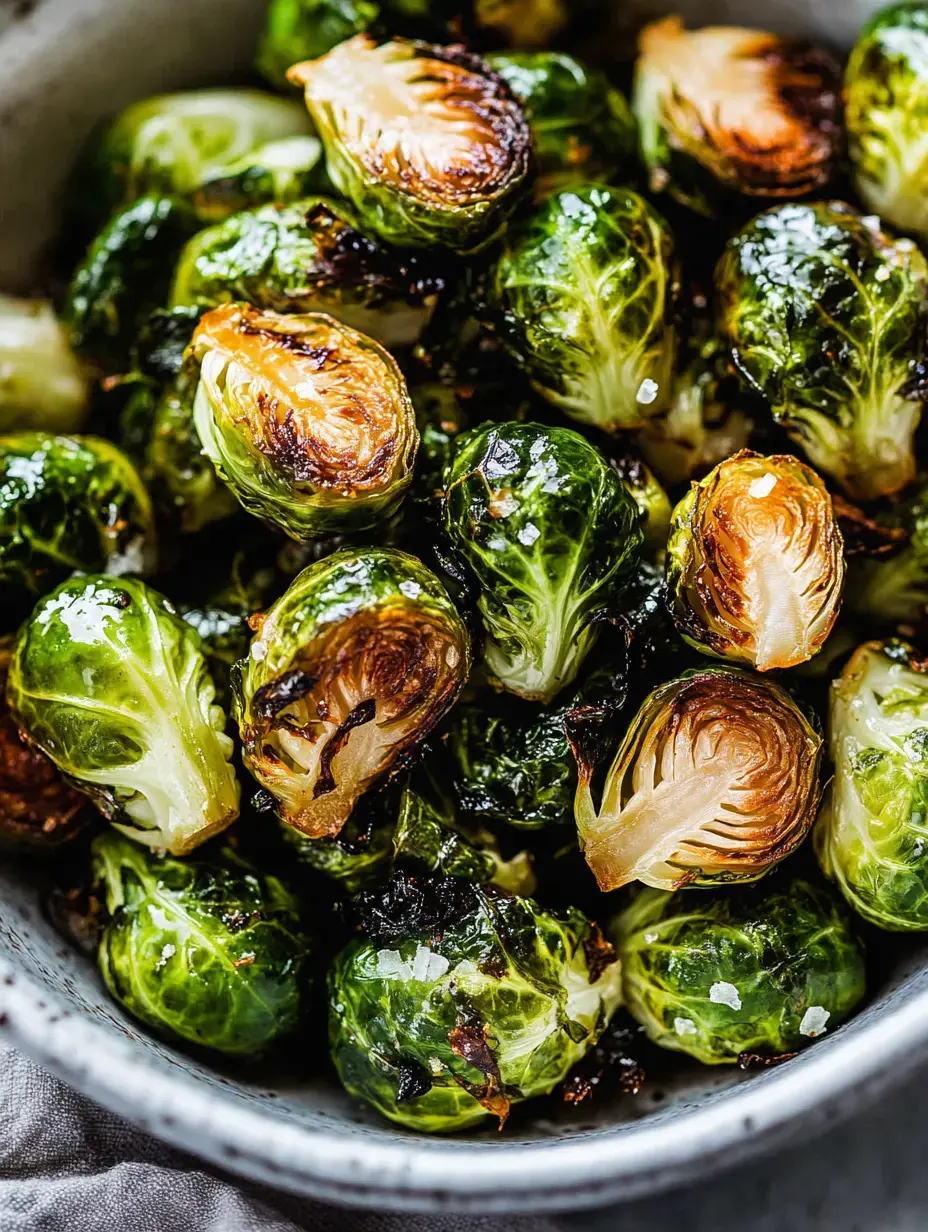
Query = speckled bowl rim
x=781 y=1107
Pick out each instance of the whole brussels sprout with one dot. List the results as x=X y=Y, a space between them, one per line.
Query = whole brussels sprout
x=308 y=257
x=716 y=780
x=870 y=836
x=726 y=111
x=211 y=953
x=278 y=171
x=124 y=276
x=443 y=1030
x=755 y=562
x=296 y=30
x=350 y=669
x=42 y=384
x=581 y=125
x=886 y=100
x=826 y=318
x=110 y=683
x=172 y=144
x=426 y=142
x=746 y=972
x=581 y=297
x=308 y=422
x=68 y=503
x=894 y=590
x=550 y=536
x=39 y=811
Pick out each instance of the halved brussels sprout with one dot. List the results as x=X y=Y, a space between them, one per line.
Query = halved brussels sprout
x=886 y=97
x=39 y=811
x=308 y=422
x=348 y=671
x=172 y=144
x=426 y=142
x=755 y=562
x=826 y=317
x=894 y=590
x=112 y=685
x=308 y=257
x=581 y=125
x=124 y=276
x=581 y=298
x=748 y=973
x=725 y=108
x=68 y=504
x=439 y=1031
x=550 y=536
x=42 y=384
x=716 y=781
x=871 y=833
x=278 y=171
x=211 y=953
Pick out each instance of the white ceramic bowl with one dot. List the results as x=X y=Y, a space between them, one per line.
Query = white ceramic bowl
x=66 y=63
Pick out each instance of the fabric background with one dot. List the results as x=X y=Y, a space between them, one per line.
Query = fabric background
x=68 y=1166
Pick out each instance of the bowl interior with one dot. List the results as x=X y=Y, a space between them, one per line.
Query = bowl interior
x=68 y=63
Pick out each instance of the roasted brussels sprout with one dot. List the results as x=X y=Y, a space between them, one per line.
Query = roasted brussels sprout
x=173 y=144
x=726 y=111
x=308 y=257
x=308 y=422
x=751 y=971
x=42 y=384
x=39 y=811
x=207 y=952
x=438 y=1032
x=826 y=318
x=716 y=780
x=280 y=171
x=68 y=503
x=349 y=670
x=886 y=100
x=426 y=142
x=581 y=125
x=124 y=276
x=755 y=562
x=297 y=30
x=550 y=536
x=870 y=836
x=112 y=685
x=893 y=590
x=581 y=298
x=652 y=501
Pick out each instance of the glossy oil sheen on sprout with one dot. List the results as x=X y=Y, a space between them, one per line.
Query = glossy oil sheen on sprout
x=308 y=422
x=352 y=667
x=744 y=971
x=426 y=142
x=493 y=1011
x=755 y=562
x=550 y=536
x=825 y=316
x=872 y=835
x=716 y=781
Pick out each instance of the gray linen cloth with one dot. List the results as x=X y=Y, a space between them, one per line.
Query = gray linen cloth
x=66 y=1165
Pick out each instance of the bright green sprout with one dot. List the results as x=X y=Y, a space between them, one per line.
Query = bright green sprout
x=298 y=30
x=886 y=113
x=308 y=256
x=69 y=504
x=426 y=142
x=349 y=670
x=207 y=952
x=112 y=685
x=42 y=384
x=872 y=834
x=582 y=298
x=550 y=536
x=440 y=1032
x=744 y=972
x=308 y=422
x=825 y=316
